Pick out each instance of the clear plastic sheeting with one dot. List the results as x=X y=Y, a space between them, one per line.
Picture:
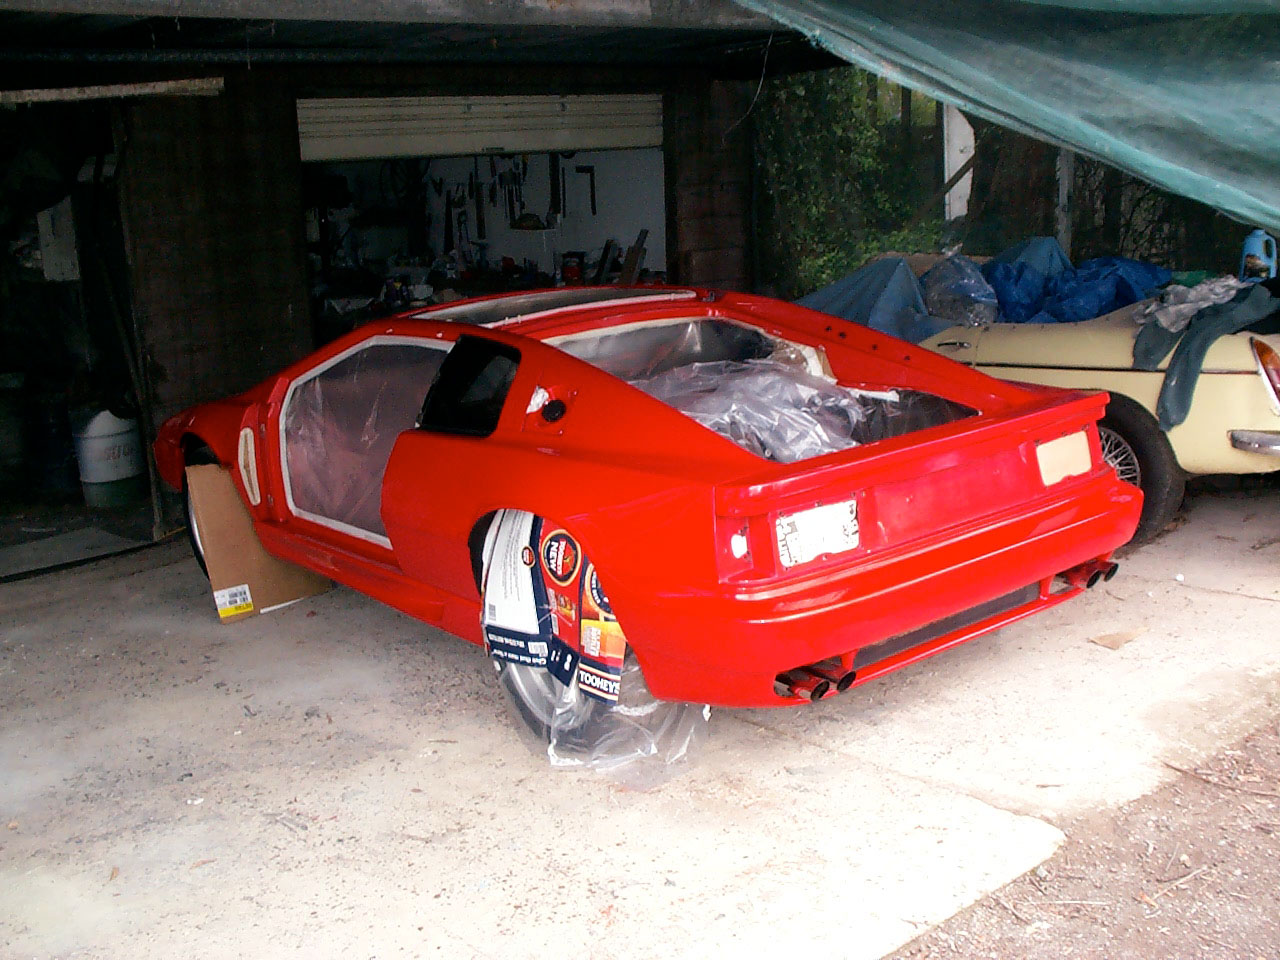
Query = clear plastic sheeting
x=497 y=310
x=955 y=290
x=1181 y=93
x=637 y=352
x=339 y=425
x=782 y=412
x=639 y=742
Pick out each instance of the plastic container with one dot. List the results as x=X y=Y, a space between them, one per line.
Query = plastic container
x=109 y=453
x=1258 y=256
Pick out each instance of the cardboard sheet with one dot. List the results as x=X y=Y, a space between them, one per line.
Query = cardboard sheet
x=245 y=579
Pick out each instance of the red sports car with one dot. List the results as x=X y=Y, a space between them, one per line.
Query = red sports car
x=668 y=497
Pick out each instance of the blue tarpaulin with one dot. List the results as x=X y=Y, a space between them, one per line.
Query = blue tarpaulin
x=1182 y=93
x=884 y=295
x=1035 y=283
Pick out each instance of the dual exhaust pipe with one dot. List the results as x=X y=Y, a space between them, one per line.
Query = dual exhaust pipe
x=813 y=682
x=1089 y=575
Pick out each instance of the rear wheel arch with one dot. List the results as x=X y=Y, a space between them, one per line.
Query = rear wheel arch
x=480 y=529
x=635 y=736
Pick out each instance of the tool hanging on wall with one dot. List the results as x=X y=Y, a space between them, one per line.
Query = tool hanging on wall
x=590 y=170
x=507 y=180
x=556 y=209
x=479 y=202
x=448 y=222
x=464 y=240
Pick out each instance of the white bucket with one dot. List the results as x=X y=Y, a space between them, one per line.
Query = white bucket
x=108 y=450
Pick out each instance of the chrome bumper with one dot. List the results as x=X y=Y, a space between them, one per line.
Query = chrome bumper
x=1257 y=441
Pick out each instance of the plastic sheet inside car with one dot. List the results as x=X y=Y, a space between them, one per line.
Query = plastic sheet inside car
x=771 y=396
x=781 y=412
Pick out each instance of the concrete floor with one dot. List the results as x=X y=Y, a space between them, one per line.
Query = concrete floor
x=335 y=780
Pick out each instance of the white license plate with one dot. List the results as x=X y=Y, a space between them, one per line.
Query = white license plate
x=804 y=536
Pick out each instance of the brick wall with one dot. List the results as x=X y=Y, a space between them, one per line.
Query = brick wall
x=708 y=159
x=212 y=210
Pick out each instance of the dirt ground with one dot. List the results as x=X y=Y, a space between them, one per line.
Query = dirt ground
x=1190 y=871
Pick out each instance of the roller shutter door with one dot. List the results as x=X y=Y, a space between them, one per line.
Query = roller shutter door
x=376 y=127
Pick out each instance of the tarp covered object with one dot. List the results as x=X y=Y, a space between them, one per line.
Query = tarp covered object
x=1182 y=93
x=1036 y=283
x=884 y=295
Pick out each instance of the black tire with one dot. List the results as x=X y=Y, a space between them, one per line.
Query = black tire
x=1134 y=444
x=196 y=456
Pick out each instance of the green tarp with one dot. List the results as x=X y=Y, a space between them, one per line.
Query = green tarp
x=1183 y=93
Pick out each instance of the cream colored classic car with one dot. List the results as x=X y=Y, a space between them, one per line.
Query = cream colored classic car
x=1234 y=421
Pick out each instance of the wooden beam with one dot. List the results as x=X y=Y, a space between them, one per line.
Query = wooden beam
x=196 y=87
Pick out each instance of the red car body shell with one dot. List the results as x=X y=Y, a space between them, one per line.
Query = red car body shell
x=953 y=518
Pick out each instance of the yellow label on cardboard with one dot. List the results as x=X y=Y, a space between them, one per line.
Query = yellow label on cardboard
x=233 y=601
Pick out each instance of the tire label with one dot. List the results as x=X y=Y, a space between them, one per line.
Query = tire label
x=516 y=617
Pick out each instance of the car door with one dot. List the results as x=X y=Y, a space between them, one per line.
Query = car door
x=335 y=427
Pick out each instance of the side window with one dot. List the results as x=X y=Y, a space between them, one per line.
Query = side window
x=339 y=424
x=468 y=394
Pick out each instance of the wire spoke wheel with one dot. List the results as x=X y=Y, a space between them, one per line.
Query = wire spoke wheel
x=1120 y=456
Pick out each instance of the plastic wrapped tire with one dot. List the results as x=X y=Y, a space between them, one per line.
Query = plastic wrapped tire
x=639 y=741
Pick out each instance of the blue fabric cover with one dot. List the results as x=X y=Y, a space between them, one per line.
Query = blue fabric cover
x=1182 y=93
x=884 y=295
x=1036 y=283
x=1097 y=287
x=1043 y=253
x=1019 y=287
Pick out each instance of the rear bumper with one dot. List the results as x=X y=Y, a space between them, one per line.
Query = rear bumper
x=727 y=648
x=1257 y=441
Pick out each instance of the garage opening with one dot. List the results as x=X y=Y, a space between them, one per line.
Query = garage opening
x=418 y=200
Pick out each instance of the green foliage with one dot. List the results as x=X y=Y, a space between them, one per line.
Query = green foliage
x=835 y=182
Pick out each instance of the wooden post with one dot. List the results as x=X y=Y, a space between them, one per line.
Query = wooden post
x=1062 y=211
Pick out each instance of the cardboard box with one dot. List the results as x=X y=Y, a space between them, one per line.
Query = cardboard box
x=246 y=580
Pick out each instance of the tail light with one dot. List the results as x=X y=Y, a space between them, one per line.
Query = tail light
x=1269 y=369
x=734 y=553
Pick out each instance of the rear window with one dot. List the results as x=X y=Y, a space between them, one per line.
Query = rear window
x=472 y=385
